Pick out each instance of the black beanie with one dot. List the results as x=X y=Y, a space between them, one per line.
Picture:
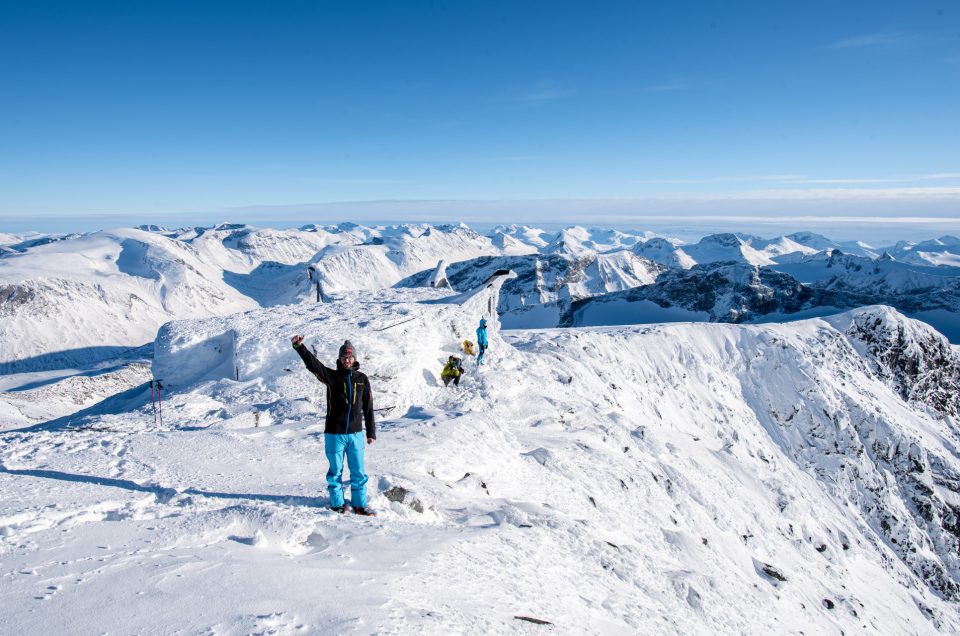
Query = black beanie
x=346 y=349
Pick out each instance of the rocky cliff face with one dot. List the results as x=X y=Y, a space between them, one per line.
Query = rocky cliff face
x=914 y=358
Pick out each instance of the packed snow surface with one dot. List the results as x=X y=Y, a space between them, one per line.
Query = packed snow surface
x=685 y=478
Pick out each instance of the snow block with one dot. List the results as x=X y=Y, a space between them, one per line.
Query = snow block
x=183 y=357
x=439 y=279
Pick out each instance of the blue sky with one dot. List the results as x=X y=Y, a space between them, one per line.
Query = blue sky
x=550 y=111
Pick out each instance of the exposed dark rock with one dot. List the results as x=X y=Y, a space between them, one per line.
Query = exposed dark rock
x=535 y=621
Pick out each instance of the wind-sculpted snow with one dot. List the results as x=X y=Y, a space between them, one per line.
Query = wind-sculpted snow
x=698 y=478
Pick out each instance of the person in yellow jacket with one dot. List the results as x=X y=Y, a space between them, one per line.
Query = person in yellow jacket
x=452 y=370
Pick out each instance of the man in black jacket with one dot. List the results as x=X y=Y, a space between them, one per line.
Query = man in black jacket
x=349 y=406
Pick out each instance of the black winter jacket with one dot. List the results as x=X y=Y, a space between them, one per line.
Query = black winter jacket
x=349 y=397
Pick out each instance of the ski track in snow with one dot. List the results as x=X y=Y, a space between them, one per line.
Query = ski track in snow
x=611 y=480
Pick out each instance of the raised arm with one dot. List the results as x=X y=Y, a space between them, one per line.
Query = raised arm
x=310 y=361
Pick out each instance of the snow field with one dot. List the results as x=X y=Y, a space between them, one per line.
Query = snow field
x=608 y=480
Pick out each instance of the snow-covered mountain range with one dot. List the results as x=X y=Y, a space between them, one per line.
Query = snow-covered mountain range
x=81 y=296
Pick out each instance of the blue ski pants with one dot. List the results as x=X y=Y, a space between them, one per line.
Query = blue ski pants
x=335 y=447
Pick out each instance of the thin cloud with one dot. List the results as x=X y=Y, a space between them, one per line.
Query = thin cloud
x=889 y=40
x=795 y=179
x=842 y=181
x=939 y=175
x=843 y=193
x=733 y=179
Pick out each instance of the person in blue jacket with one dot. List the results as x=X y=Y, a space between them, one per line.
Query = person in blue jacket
x=482 y=339
x=349 y=407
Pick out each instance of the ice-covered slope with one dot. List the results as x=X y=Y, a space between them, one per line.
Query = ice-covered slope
x=674 y=479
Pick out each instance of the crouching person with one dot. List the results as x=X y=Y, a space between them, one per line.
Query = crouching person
x=452 y=370
x=349 y=407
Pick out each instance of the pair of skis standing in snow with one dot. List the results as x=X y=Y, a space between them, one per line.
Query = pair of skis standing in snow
x=453 y=370
x=349 y=409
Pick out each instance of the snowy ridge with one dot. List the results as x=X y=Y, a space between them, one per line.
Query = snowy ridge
x=546 y=285
x=680 y=479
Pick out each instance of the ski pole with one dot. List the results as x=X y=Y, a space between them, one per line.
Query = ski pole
x=153 y=401
x=160 y=401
